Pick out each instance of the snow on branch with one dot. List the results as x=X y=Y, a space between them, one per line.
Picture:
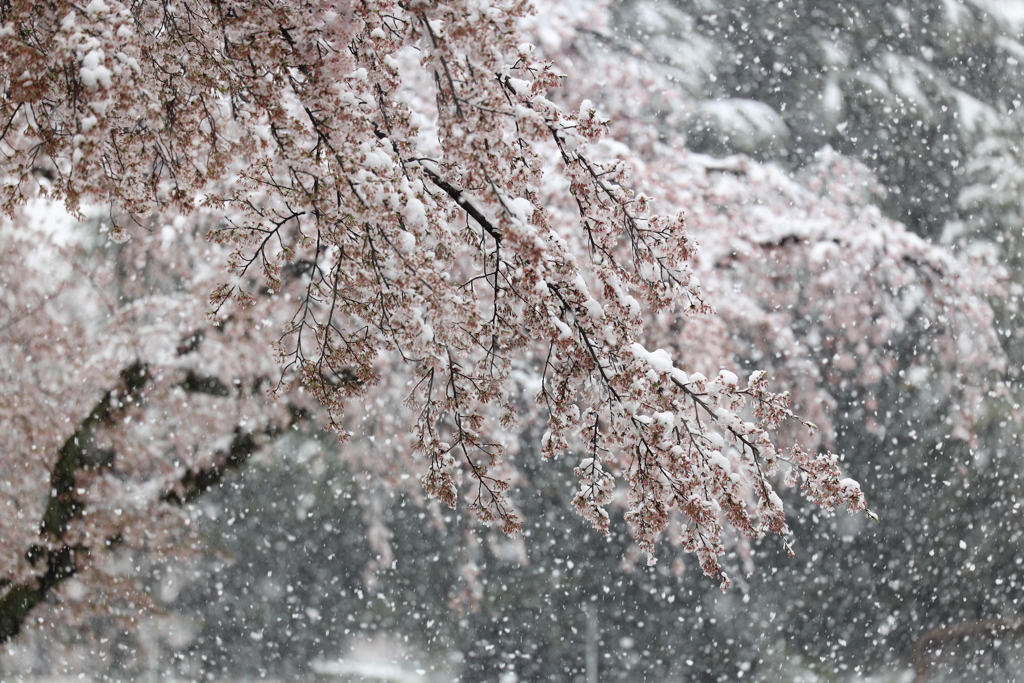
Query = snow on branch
x=382 y=175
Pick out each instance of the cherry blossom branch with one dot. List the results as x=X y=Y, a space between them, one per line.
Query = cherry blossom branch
x=59 y=560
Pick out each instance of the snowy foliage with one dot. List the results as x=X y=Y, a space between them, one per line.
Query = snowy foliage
x=427 y=233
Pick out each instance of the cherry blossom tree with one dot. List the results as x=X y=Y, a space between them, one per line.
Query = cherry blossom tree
x=810 y=280
x=920 y=369
x=392 y=198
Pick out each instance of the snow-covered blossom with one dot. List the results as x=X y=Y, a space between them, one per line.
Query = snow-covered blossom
x=413 y=224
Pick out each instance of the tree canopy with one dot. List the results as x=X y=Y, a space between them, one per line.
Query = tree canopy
x=388 y=218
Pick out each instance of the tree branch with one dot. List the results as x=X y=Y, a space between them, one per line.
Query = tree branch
x=195 y=482
x=58 y=561
x=21 y=598
x=470 y=208
x=63 y=506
